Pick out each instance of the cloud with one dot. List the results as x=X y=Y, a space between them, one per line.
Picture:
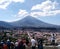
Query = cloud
x=5 y=3
x=4 y=6
x=22 y=13
x=50 y=13
x=47 y=8
x=21 y=1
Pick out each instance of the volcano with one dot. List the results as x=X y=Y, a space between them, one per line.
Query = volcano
x=30 y=21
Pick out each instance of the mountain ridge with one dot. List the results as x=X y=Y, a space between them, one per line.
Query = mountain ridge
x=27 y=21
x=32 y=22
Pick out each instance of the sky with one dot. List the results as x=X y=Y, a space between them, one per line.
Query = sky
x=44 y=10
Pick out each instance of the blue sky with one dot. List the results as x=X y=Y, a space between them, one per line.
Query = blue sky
x=45 y=10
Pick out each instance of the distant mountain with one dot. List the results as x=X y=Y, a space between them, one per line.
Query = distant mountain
x=26 y=22
x=5 y=25
x=29 y=21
